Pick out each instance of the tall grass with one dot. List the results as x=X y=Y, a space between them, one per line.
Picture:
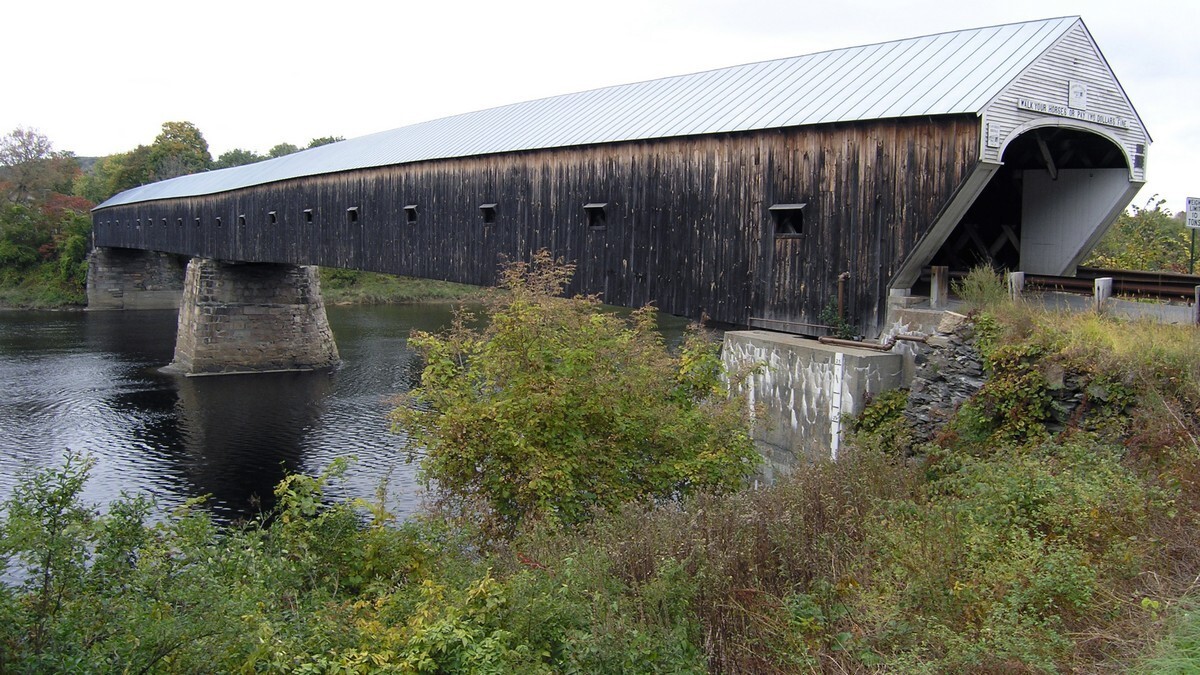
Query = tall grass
x=982 y=287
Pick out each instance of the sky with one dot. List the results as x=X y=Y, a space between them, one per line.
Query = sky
x=101 y=77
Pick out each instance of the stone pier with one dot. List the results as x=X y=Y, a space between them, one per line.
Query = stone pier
x=803 y=392
x=124 y=278
x=251 y=317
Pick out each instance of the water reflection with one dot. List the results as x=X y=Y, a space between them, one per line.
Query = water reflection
x=241 y=434
x=90 y=382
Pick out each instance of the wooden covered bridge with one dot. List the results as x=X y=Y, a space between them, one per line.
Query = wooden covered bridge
x=740 y=194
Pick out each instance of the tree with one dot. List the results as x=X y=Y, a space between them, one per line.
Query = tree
x=179 y=150
x=325 y=140
x=281 y=150
x=116 y=173
x=31 y=166
x=558 y=407
x=237 y=157
x=1147 y=238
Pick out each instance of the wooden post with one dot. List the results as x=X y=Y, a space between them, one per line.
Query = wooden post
x=1196 y=307
x=1016 y=285
x=939 y=286
x=1102 y=292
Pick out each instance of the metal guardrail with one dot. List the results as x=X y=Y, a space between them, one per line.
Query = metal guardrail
x=1155 y=285
x=1178 y=291
x=1151 y=285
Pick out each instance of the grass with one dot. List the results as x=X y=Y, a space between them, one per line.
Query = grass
x=1179 y=653
x=348 y=287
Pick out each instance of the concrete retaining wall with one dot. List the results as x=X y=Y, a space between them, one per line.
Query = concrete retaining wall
x=803 y=391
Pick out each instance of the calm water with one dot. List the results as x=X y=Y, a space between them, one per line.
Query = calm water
x=89 y=382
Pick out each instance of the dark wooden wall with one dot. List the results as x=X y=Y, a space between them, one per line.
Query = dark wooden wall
x=686 y=228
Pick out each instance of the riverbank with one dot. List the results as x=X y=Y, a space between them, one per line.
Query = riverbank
x=40 y=288
x=338 y=287
x=352 y=287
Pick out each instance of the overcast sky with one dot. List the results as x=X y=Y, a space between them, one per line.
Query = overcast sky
x=102 y=77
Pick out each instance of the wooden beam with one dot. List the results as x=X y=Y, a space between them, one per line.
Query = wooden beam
x=1046 y=156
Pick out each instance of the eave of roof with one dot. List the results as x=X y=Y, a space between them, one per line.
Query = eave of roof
x=941 y=74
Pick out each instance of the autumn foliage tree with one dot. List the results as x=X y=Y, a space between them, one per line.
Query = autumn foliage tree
x=558 y=407
x=30 y=166
x=43 y=232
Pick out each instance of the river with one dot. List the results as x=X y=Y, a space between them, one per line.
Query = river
x=89 y=382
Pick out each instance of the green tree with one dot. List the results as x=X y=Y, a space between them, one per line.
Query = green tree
x=116 y=173
x=558 y=407
x=31 y=166
x=93 y=184
x=281 y=150
x=179 y=150
x=325 y=140
x=237 y=157
x=21 y=235
x=1147 y=238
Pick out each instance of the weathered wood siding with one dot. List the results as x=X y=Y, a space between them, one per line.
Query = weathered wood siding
x=686 y=222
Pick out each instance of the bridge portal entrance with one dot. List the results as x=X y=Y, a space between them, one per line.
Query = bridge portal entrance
x=1055 y=194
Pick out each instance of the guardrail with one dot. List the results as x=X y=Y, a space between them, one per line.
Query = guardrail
x=1103 y=284
x=1178 y=289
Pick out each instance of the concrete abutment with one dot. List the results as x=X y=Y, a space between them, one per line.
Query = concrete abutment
x=801 y=392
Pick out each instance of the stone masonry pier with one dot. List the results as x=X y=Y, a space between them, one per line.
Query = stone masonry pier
x=126 y=278
x=251 y=317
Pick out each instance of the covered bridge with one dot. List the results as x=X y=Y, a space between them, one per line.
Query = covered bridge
x=740 y=194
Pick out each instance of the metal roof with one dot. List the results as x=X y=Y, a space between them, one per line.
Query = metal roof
x=942 y=74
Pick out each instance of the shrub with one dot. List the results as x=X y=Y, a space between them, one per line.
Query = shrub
x=557 y=407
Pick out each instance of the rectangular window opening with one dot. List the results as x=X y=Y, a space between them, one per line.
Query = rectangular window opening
x=489 y=213
x=164 y=222
x=308 y=215
x=788 y=219
x=218 y=221
x=597 y=216
x=410 y=213
x=179 y=222
x=272 y=217
x=197 y=221
x=241 y=220
x=352 y=214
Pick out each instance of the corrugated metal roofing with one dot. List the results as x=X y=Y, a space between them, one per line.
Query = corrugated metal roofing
x=940 y=74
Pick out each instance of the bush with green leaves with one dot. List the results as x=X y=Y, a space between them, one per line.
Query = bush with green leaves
x=1144 y=238
x=318 y=587
x=43 y=251
x=558 y=407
